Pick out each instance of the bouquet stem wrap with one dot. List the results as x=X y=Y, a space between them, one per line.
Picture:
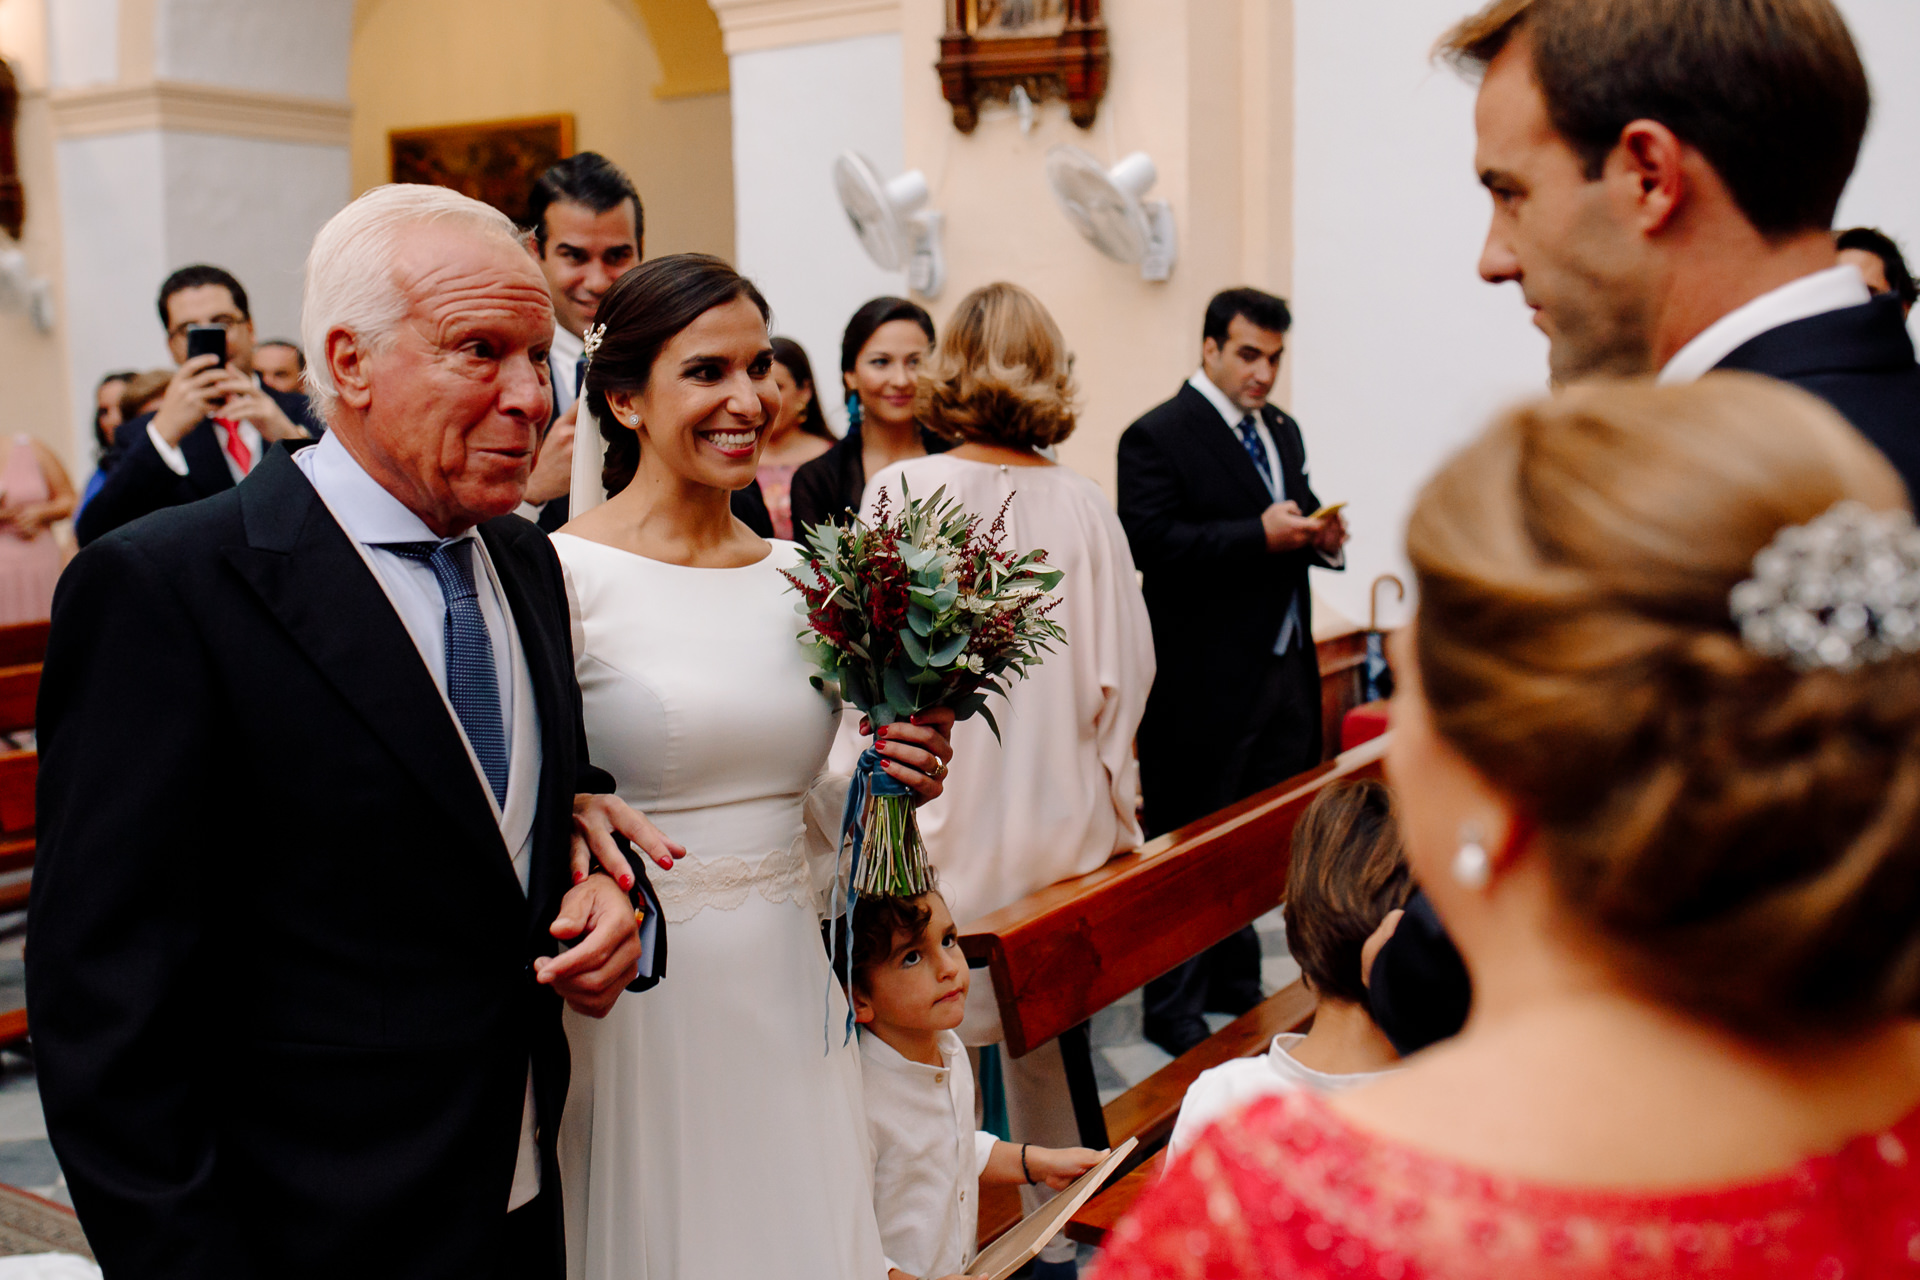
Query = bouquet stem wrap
x=881 y=847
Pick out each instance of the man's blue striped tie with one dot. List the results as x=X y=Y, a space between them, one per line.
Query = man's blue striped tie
x=472 y=685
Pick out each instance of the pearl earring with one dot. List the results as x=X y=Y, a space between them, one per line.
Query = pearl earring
x=635 y=419
x=1472 y=866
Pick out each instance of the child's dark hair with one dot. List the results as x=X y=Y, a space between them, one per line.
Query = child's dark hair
x=878 y=925
x=1349 y=870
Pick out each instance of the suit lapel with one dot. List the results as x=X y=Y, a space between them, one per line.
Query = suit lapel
x=548 y=664
x=1293 y=464
x=1217 y=440
x=303 y=568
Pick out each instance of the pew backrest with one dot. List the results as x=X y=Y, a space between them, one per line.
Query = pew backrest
x=1061 y=955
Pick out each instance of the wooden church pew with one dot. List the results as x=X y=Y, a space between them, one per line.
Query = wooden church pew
x=1061 y=955
x=23 y=644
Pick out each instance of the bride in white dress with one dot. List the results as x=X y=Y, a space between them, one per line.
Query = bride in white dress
x=714 y=1129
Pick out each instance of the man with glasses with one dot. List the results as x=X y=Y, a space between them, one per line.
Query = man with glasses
x=216 y=421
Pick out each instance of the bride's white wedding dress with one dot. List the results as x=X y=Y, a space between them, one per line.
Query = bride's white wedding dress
x=710 y=1134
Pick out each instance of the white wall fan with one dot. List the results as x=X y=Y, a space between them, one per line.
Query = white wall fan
x=21 y=290
x=898 y=232
x=1105 y=206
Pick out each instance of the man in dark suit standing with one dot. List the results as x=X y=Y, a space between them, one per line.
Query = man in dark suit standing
x=1217 y=508
x=294 y=987
x=587 y=228
x=1664 y=180
x=214 y=425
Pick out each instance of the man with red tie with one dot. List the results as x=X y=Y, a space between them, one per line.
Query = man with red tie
x=216 y=421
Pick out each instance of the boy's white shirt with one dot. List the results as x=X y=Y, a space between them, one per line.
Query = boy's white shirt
x=1232 y=1086
x=927 y=1155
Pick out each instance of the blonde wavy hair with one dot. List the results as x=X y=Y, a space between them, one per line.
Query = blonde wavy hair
x=1001 y=374
x=1745 y=835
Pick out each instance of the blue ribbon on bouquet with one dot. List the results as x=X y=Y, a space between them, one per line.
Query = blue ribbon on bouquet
x=868 y=779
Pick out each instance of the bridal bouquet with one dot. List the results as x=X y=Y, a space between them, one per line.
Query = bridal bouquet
x=917 y=610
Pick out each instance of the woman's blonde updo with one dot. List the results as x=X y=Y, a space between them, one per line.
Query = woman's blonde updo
x=1001 y=374
x=1749 y=836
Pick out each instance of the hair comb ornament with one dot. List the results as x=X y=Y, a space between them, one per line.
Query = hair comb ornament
x=591 y=344
x=1837 y=593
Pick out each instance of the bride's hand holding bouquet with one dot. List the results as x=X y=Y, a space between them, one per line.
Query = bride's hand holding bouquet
x=916 y=618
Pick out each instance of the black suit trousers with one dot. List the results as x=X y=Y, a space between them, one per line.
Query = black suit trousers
x=1283 y=738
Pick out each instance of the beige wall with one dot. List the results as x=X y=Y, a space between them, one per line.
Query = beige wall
x=33 y=365
x=1205 y=87
x=431 y=62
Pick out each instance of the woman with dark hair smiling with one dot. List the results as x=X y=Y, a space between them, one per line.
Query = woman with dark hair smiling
x=880 y=358
x=714 y=1128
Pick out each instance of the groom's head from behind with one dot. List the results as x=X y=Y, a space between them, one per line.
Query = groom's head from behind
x=428 y=328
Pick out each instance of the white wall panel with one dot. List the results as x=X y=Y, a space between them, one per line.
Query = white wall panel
x=794 y=110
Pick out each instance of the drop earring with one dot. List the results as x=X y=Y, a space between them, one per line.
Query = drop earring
x=1472 y=865
x=854 y=415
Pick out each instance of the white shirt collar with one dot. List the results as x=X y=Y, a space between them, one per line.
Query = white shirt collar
x=886 y=1057
x=1833 y=289
x=1229 y=412
x=367 y=512
x=567 y=349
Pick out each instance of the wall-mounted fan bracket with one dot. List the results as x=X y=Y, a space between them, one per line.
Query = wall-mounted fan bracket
x=1162 y=242
x=927 y=267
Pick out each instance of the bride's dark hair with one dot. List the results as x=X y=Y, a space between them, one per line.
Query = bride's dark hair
x=642 y=312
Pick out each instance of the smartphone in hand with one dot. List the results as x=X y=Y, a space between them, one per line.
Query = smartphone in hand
x=207 y=340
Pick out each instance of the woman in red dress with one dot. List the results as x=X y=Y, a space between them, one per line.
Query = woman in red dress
x=1657 y=750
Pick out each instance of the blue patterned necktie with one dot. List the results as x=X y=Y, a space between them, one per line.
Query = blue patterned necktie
x=1257 y=450
x=472 y=685
x=579 y=376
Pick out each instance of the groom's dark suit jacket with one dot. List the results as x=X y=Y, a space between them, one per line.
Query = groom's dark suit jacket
x=280 y=982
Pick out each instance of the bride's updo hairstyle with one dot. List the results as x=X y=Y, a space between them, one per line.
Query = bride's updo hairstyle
x=1001 y=374
x=1746 y=836
x=643 y=312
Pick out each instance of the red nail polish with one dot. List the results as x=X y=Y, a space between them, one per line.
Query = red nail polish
x=626 y=882
x=579 y=876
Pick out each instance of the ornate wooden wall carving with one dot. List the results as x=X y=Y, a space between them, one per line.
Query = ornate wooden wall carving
x=1053 y=48
x=13 y=199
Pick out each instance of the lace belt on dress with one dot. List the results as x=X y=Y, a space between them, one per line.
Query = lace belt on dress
x=695 y=884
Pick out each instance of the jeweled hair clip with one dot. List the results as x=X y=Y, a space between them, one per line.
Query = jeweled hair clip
x=1836 y=593
x=591 y=343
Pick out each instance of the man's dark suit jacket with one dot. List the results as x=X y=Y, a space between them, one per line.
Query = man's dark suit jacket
x=281 y=982
x=1190 y=500
x=141 y=482
x=1858 y=359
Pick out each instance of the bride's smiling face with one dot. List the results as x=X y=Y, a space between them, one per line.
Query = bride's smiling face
x=709 y=400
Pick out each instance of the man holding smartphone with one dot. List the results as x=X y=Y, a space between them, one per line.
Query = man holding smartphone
x=1224 y=526
x=216 y=421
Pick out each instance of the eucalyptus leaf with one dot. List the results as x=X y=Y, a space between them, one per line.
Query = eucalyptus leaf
x=946 y=653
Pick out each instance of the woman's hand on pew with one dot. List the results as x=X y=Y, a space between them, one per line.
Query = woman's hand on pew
x=917 y=751
x=1378 y=939
x=595 y=819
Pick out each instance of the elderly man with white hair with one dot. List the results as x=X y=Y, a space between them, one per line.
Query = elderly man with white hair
x=297 y=975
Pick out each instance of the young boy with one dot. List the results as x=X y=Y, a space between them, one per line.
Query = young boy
x=1348 y=878
x=909 y=990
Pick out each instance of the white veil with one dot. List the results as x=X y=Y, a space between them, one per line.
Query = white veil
x=589 y=456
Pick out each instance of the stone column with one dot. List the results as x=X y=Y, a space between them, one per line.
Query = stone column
x=190 y=131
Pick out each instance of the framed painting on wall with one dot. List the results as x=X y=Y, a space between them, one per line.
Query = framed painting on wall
x=494 y=161
x=1050 y=48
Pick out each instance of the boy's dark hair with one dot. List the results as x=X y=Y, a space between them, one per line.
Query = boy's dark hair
x=1881 y=245
x=1262 y=310
x=195 y=276
x=1349 y=870
x=588 y=179
x=1772 y=92
x=878 y=925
